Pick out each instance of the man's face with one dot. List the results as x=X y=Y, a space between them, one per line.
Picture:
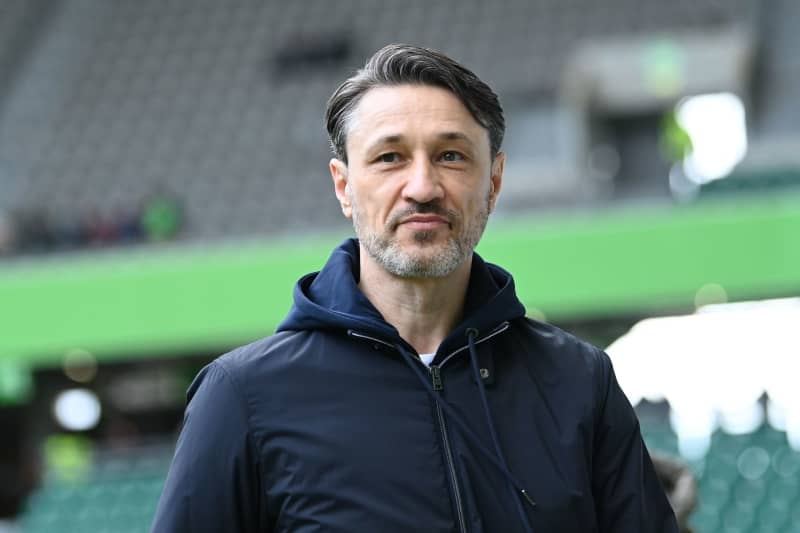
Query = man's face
x=420 y=181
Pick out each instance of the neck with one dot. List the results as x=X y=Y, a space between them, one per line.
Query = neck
x=424 y=310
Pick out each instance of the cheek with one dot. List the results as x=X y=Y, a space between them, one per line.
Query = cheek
x=380 y=204
x=474 y=201
x=368 y=210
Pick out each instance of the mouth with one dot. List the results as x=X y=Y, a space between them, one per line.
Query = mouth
x=424 y=222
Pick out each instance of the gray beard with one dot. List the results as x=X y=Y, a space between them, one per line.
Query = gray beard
x=388 y=253
x=394 y=260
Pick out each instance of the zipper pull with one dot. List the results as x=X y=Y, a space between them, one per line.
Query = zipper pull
x=528 y=498
x=436 y=375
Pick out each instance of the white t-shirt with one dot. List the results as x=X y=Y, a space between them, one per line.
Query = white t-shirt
x=427 y=358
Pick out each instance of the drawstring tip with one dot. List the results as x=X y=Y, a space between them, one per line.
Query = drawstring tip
x=528 y=498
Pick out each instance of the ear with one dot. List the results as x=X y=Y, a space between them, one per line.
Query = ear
x=341 y=182
x=496 y=179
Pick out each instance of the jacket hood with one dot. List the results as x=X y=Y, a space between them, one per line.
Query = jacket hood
x=331 y=299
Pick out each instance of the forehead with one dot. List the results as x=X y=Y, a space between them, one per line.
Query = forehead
x=411 y=111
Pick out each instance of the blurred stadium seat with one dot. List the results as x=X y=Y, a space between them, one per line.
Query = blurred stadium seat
x=118 y=494
x=748 y=483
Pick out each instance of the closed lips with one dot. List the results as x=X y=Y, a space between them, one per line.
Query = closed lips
x=425 y=219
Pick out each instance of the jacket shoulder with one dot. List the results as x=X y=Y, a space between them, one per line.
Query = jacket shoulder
x=553 y=341
x=565 y=362
x=243 y=360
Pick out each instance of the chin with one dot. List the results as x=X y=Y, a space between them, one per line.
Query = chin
x=431 y=252
x=427 y=239
x=420 y=258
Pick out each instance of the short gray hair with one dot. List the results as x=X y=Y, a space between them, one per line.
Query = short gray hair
x=402 y=64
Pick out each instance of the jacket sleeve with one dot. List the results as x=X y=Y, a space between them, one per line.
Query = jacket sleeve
x=213 y=483
x=628 y=495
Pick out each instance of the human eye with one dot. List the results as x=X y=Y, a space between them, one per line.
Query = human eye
x=452 y=156
x=388 y=157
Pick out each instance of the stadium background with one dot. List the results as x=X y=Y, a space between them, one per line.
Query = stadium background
x=163 y=183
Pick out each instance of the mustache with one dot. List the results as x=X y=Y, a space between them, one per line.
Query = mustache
x=428 y=208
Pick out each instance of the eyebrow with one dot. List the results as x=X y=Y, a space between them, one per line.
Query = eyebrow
x=387 y=139
x=455 y=136
x=396 y=138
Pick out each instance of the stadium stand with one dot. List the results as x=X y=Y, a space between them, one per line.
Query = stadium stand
x=118 y=494
x=780 y=70
x=187 y=96
x=747 y=483
x=20 y=22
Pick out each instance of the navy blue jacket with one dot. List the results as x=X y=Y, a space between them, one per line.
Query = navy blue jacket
x=333 y=424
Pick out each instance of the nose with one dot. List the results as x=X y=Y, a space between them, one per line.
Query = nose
x=422 y=185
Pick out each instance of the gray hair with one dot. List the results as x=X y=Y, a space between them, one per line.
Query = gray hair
x=402 y=64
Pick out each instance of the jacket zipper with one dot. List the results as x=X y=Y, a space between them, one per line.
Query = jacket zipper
x=448 y=454
x=436 y=377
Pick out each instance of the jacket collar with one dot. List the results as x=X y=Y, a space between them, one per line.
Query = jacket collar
x=331 y=299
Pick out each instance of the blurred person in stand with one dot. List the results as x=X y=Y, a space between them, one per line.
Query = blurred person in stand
x=33 y=230
x=680 y=485
x=99 y=229
x=161 y=218
x=6 y=234
x=128 y=225
x=20 y=471
x=406 y=390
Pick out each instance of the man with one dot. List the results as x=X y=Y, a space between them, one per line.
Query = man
x=406 y=390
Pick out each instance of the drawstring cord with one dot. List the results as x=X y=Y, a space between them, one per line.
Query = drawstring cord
x=472 y=333
x=495 y=458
